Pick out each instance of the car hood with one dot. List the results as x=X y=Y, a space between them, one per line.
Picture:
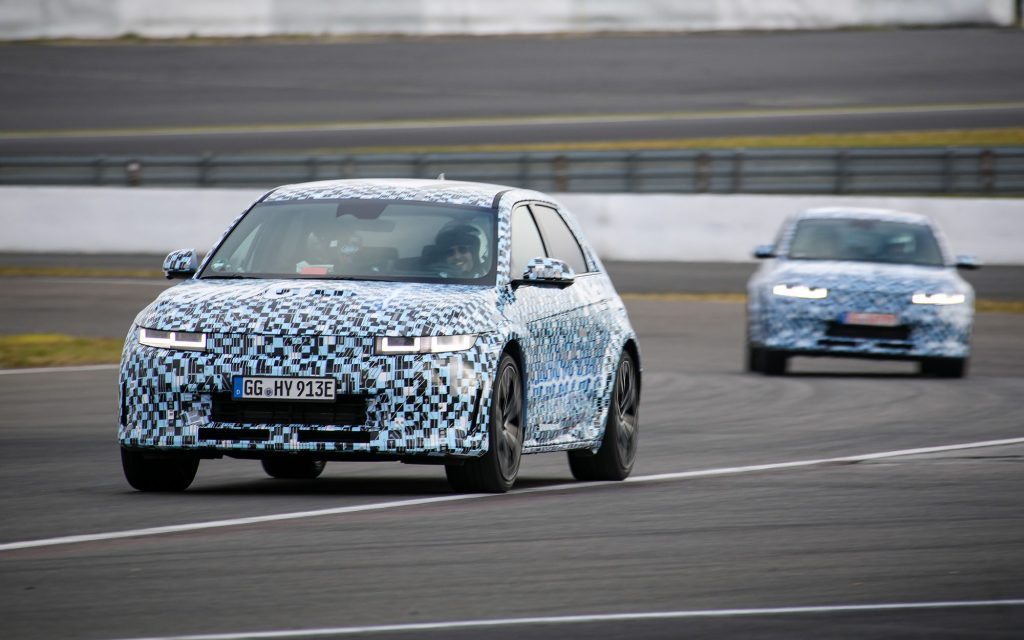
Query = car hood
x=867 y=276
x=308 y=307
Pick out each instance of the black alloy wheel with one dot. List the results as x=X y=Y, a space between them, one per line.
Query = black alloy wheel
x=614 y=459
x=496 y=471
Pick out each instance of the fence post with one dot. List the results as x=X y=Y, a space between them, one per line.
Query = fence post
x=841 y=169
x=986 y=167
x=97 y=170
x=133 y=173
x=204 y=169
x=560 y=167
x=737 y=170
x=702 y=179
x=947 y=171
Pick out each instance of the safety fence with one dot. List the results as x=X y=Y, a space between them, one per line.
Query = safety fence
x=976 y=171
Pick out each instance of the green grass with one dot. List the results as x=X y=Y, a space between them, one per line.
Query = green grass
x=54 y=350
x=981 y=306
x=78 y=272
x=994 y=137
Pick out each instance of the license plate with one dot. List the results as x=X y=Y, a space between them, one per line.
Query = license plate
x=871 y=319
x=277 y=388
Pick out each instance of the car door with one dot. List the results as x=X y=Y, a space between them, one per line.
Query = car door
x=561 y=344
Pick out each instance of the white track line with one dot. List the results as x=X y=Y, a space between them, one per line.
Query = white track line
x=611 y=617
x=86 y=367
x=574 y=486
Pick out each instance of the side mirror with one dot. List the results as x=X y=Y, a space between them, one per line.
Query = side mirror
x=551 y=271
x=968 y=262
x=764 y=251
x=182 y=263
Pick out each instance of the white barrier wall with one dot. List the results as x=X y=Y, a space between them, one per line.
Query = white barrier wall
x=23 y=19
x=621 y=226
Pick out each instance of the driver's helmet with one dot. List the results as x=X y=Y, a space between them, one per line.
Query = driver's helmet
x=460 y=247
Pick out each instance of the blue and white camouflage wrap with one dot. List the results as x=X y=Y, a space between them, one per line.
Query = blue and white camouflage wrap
x=181 y=261
x=569 y=341
x=547 y=269
x=801 y=326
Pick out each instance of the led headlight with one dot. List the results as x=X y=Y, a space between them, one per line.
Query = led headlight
x=395 y=345
x=938 y=298
x=800 y=291
x=187 y=340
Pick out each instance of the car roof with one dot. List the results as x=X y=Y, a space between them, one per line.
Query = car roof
x=863 y=213
x=442 y=191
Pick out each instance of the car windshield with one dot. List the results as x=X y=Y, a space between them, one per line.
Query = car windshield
x=864 y=240
x=362 y=240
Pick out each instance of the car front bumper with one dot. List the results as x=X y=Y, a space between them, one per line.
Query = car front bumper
x=819 y=327
x=432 y=405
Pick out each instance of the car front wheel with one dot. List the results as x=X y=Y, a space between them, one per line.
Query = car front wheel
x=496 y=470
x=153 y=471
x=614 y=459
x=944 y=367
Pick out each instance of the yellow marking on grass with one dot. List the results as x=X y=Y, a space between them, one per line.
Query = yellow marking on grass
x=981 y=306
x=995 y=137
x=51 y=350
x=492 y=121
x=78 y=272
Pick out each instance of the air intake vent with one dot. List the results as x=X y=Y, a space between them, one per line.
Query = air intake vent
x=837 y=330
x=346 y=410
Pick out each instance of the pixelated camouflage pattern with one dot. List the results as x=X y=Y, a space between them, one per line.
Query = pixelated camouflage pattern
x=570 y=339
x=799 y=325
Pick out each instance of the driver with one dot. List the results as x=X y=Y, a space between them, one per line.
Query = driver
x=459 y=250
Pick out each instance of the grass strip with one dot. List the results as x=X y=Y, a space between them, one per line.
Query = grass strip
x=981 y=306
x=78 y=272
x=989 y=137
x=54 y=350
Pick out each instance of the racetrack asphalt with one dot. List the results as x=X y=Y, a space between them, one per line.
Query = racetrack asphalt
x=237 y=96
x=927 y=530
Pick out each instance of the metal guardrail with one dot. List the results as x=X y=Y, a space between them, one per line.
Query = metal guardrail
x=997 y=170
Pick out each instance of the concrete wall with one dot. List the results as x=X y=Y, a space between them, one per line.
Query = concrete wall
x=621 y=226
x=23 y=19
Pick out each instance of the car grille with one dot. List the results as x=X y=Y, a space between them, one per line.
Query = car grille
x=347 y=409
x=839 y=330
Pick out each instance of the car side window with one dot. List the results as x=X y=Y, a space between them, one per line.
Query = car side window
x=559 y=239
x=526 y=241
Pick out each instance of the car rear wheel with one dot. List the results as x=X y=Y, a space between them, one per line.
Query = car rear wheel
x=944 y=367
x=158 y=471
x=496 y=470
x=293 y=467
x=614 y=459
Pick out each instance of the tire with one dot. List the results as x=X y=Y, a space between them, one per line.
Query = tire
x=753 y=364
x=772 y=363
x=614 y=459
x=944 y=367
x=497 y=469
x=293 y=467
x=157 y=471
